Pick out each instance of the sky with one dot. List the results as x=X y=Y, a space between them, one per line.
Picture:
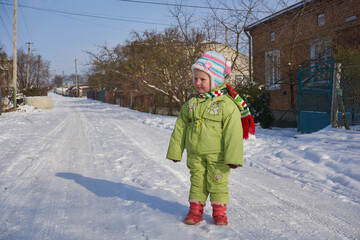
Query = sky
x=61 y=31
x=62 y=38
x=90 y=170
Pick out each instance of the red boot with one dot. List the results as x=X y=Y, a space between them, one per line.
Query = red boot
x=219 y=214
x=195 y=214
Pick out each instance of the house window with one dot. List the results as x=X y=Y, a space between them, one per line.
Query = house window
x=351 y=18
x=321 y=19
x=272 y=36
x=320 y=51
x=238 y=79
x=272 y=69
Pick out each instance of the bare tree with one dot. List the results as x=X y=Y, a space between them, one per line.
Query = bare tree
x=38 y=70
x=160 y=62
x=4 y=67
x=224 y=23
x=106 y=68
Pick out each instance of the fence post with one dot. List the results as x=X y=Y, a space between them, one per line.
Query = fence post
x=102 y=95
x=334 y=103
x=299 y=98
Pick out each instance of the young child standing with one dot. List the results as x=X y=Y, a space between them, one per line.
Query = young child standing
x=209 y=127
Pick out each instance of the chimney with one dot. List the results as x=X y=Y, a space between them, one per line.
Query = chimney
x=198 y=37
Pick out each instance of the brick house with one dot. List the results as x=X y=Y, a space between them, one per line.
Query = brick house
x=303 y=34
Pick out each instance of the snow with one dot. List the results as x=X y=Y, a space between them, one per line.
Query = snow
x=90 y=170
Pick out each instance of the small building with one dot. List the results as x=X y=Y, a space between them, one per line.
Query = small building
x=239 y=61
x=298 y=37
x=5 y=68
x=240 y=68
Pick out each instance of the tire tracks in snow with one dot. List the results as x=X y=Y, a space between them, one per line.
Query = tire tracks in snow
x=17 y=198
x=296 y=162
x=176 y=176
x=154 y=156
x=40 y=210
x=274 y=201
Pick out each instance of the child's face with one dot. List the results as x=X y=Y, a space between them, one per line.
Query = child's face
x=202 y=82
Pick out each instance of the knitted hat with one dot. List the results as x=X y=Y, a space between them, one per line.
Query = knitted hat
x=215 y=65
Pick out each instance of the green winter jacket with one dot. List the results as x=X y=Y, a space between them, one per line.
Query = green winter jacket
x=208 y=126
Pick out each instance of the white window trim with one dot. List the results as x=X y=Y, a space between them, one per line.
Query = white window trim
x=272 y=69
x=323 y=44
x=321 y=19
x=238 y=79
x=272 y=36
x=324 y=52
x=351 y=18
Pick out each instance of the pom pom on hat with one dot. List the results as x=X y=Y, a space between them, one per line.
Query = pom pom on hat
x=215 y=65
x=228 y=67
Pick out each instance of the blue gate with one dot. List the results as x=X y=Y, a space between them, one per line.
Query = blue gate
x=314 y=96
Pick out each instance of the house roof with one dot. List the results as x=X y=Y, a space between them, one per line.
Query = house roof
x=285 y=10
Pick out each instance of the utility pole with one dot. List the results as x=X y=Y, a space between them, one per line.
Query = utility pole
x=15 y=54
x=28 y=65
x=62 y=82
x=48 y=79
x=38 y=73
x=77 y=86
x=54 y=76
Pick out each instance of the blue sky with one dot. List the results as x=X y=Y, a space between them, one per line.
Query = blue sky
x=61 y=35
x=62 y=38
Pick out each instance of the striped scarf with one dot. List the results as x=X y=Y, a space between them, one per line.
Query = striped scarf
x=213 y=94
x=247 y=120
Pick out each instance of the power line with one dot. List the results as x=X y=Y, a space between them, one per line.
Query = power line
x=6 y=29
x=174 y=5
x=81 y=20
x=27 y=28
x=87 y=15
x=4 y=24
x=10 y=20
x=189 y=6
x=7 y=15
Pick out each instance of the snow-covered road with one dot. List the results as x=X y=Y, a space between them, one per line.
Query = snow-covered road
x=89 y=170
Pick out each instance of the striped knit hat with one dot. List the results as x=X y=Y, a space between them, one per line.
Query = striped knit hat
x=215 y=65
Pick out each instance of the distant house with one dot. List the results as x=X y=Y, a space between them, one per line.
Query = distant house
x=240 y=68
x=5 y=67
x=305 y=34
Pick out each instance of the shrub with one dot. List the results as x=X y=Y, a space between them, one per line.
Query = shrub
x=258 y=100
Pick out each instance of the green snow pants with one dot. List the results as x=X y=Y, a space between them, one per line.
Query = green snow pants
x=209 y=176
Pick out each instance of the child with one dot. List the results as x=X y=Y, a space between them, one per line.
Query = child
x=209 y=127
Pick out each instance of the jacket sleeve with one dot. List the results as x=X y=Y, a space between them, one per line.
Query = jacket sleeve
x=233 y=138
x=177 y=140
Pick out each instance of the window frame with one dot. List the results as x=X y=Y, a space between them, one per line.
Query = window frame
x=272 y=36
x=321 y=19
x=320 y=50
x=272 y=69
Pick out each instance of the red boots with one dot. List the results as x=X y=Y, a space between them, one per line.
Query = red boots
x=196 y=211
x=195 y=214
x=219 y=214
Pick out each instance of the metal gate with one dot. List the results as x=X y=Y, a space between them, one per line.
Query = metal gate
x=314 y=97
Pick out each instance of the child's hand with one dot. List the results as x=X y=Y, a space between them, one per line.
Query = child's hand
x=232 y=166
